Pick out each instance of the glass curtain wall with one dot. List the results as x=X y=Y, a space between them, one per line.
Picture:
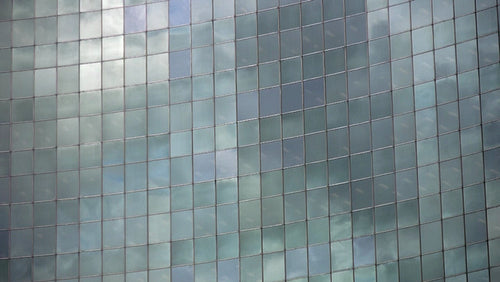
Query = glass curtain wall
x=249 y=140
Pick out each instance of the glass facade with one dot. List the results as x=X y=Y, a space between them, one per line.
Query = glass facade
x=249 y=140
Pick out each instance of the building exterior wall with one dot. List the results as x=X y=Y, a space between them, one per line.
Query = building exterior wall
x=226 y=140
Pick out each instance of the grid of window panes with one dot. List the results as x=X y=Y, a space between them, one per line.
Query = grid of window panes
x=252 y=140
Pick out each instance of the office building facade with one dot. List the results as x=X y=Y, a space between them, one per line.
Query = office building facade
x=249 y=140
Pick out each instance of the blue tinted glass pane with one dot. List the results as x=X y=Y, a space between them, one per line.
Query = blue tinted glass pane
x=270 y=155
x=158 y=173
x=314 y=92
x=291 y=98
x=319 y=259
x=182 y=274
x=204 y=167
x=179 y=11
x=248 y=106
x=228 y=270
x=135 y=19
x=296 y=263
x=226 y=163
x=293 y=151
x=364 y=252
x=113 y=179
x=269 y=101
x=180 y=64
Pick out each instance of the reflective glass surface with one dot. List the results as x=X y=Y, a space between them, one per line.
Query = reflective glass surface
x=249 y=140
